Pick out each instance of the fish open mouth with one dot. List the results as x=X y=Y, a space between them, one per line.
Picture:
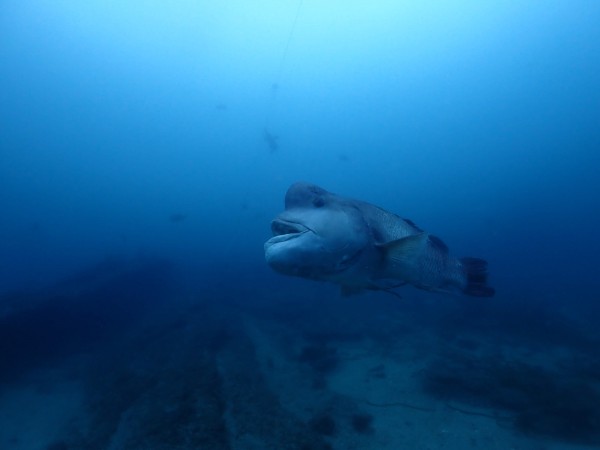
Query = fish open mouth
x=284 y=230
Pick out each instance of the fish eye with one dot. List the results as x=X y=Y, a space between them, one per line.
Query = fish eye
x=318 y=202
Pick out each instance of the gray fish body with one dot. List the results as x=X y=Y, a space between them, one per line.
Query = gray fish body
x=324 y=236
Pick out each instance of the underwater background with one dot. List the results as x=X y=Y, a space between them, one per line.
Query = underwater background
x=145 y=148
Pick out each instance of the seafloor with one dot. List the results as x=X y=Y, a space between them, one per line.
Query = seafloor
x=123 y=357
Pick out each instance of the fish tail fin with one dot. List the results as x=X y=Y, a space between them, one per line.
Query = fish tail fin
x=475 y=270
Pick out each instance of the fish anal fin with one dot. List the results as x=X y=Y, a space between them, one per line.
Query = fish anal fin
x=347 y=290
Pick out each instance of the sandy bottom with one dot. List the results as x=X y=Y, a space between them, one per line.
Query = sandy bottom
x=251 y=381
x=36 y=414
x=386 y=387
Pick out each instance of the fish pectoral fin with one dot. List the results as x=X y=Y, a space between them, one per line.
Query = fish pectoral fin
x=404 y=251
x=390 y=291
x=388 y=284
x=348 y=291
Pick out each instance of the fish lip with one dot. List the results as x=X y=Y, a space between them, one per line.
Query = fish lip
x=284 y=230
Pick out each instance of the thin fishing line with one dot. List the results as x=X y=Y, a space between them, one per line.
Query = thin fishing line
x=275 y=85
x=287 y=44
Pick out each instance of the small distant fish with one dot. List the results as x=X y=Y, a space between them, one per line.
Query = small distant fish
x=271 y=140
x=177 y=218
x=324 y=236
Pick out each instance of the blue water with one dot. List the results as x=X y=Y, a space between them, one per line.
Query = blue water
x=134 y=170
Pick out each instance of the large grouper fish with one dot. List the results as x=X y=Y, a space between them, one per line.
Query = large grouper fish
x=324 y=236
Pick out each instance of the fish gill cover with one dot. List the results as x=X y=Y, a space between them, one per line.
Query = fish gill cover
x=146 y=148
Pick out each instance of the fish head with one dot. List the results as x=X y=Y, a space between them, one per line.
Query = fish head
x=318 y=236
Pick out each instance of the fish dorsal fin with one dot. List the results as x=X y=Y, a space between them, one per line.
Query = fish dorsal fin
x=405 y=251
